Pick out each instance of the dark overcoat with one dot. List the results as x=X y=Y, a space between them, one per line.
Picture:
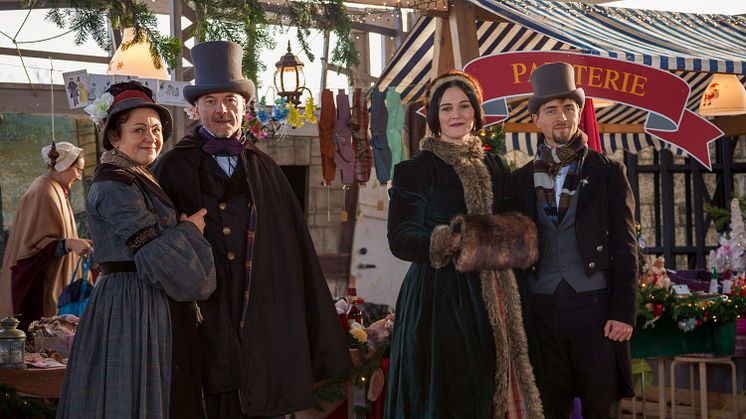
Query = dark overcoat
x=605 y=228
x=291 y=336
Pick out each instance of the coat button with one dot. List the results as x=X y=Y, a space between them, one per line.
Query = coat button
x=592 y=265
x=600 y=248
x=231 y=256
x=164 y=221
x=222 y=206
x=226 y=230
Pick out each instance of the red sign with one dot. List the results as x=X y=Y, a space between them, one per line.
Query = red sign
x=661 y=93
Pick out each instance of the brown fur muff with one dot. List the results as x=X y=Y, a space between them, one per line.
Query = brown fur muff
x=496 y=242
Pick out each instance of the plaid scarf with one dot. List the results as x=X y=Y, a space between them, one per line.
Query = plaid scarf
x=547 y=164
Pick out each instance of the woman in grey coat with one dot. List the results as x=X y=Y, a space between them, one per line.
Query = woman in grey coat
x=132 y=355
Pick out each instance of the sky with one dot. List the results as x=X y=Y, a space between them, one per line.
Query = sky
x=37 y=28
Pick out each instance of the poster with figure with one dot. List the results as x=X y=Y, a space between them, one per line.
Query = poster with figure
x=151 y=84
x=170 y=93
x=119 y=78
x=76 y=88
x=97 y=84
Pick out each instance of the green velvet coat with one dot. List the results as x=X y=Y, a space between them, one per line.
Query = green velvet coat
x=443 y=352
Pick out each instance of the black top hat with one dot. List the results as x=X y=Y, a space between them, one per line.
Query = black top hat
x=217 y=68
x=130 y=99
x=554 y=81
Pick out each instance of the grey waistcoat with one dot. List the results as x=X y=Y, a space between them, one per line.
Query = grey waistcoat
x=560 y=256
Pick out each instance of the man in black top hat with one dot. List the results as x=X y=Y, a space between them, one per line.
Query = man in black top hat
x=581 y=292
x=270 y=329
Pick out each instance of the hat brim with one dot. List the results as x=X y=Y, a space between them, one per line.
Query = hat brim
x=535 y=101
x=244 y=87
x=134 y=103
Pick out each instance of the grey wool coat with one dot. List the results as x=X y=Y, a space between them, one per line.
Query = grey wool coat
x=120 y=365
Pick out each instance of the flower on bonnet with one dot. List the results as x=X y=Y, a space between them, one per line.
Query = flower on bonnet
x=191 y=112
x=99 y=109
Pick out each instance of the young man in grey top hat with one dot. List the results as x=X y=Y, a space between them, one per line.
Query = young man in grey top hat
x=270 y=329
x=581 y=292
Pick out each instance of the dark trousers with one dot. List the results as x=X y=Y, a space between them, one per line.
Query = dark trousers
x=577 y=360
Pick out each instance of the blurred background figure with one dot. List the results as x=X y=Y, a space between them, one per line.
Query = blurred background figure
x=43 y=246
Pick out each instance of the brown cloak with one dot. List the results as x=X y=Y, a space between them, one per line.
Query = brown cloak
x=43 y=216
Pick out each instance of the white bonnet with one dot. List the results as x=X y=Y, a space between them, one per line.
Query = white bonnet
x=68 y=154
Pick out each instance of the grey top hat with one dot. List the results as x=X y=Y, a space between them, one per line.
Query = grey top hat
x=554 y=81
x=130 y=99
x=217 y=68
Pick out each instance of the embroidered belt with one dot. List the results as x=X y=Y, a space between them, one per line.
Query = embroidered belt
x=111 y=267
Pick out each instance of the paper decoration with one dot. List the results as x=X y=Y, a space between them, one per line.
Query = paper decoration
x=76 y=88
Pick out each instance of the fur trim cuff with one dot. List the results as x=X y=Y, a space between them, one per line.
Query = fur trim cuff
x=439 y=253
x=496 y=242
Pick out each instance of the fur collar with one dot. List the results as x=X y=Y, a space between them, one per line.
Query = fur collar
x=468 y=162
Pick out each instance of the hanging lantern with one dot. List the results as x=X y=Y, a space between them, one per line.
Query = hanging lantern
x=289 y=79
x=136 y=60
x=724 y=95
x=12 y=344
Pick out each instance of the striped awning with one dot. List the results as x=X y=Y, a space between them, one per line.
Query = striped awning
x=690 y=45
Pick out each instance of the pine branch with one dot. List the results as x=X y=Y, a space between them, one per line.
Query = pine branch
x=241 y=21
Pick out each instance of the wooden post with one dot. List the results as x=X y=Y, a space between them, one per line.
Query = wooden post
x=177 y=73
x=442 y=48
x=361 y=74
x=700 y=194
x=324 y=63
x=669 y=228
x=463 y=26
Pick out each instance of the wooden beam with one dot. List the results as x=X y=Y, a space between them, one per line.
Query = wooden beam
x=621 y=128
x=383 y=28
x=731 y=125
x=463 y=33
x=442 y=48
x=361 y=74
x=55 y=55
x=479 y=14
x=19 y=98
x=602 y=128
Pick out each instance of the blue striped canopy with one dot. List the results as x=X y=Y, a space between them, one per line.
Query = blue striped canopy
x=691 y=45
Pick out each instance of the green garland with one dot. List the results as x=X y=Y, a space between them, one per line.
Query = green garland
x=658 y=301
x=241 y=21
x=14 y=406
x=493 y=139
x=88 y=19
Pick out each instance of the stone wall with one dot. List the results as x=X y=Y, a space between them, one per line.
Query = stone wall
x=323 y=205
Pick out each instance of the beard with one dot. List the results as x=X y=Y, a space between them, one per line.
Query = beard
x=564 y=137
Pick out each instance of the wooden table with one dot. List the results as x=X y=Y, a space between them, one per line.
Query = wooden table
x=35 y=382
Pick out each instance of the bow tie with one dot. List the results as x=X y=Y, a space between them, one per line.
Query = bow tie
x=221 y=146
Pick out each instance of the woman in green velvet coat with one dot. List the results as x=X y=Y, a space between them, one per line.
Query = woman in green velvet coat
x=458 y=348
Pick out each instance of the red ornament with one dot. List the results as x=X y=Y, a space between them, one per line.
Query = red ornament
x=658 y=310
x=743 y=292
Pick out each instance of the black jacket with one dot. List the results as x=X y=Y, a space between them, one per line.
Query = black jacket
x=292 y=337
x=605 y=228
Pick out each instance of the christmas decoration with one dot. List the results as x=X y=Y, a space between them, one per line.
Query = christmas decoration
x=729 y=256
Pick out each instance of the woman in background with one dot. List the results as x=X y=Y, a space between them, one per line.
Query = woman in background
x=43 y=247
